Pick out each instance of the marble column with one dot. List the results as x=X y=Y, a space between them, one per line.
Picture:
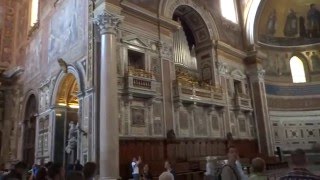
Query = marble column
x=260 y=106
x=109 y=130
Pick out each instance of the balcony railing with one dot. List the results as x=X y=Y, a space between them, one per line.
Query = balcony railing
x=192 y=92
x=138 y=82
x=243 y=102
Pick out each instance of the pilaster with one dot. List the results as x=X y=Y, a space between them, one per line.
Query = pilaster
x=260 y=106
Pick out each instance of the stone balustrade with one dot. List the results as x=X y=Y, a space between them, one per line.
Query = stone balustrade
x=195 y=93
x=142 y=84
x=243 y=102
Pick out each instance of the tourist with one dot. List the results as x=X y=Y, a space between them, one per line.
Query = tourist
x=135 y=168
x=41 y=174
x=229 y=171
x=243 y=176
x=76 y=166
x=89 y=170
x=168 y=167
x=75 y=175
x=17 y=172
x=166 y=176
x=258 y=166
x=146 y=175
x=48 y=165
x=209 y=174
x=299 y=171
x=56 y=172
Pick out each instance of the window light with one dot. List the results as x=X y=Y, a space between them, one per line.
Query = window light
x=34 y=12
x=228 y=10
x=297 y=70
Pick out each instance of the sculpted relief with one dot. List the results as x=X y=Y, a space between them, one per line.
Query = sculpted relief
x=45 y=92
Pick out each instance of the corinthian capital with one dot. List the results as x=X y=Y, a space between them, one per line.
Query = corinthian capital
x=261 y=73
x=108 y=22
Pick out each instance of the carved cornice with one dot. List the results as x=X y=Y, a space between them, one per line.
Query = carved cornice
x=229 y=49
x=140 y=12
x=108 y=22
x=223 y=68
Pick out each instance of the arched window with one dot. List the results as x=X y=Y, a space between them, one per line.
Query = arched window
x=34 y=12
x=297 y=70
x=229 y=10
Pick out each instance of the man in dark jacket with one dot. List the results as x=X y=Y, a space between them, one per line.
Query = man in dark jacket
x=17 y=172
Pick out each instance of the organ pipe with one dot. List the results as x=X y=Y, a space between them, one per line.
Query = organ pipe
x=182 y=54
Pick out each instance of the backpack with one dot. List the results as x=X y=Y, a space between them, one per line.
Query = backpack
x=218 y=172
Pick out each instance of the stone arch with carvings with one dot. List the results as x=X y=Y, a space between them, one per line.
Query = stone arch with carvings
x=60 y=78
x=168 y=7
x=28 y=94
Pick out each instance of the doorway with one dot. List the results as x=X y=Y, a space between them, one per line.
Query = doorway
x=29 y=132
x=66 y=133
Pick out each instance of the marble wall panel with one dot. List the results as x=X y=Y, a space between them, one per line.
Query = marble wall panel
x=298 y=129
x=200 y=122
x=158 y=119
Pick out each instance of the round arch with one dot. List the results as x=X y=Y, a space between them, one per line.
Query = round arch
x=66 y=99
x=305 y=62
x=168 y=7
x=29 y=130
x=61 y=77
x=29 y=93
x=252 y=18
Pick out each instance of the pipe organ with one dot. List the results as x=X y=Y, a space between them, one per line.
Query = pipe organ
x=182 y=54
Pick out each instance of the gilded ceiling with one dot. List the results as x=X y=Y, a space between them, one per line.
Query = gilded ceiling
x=68 y=91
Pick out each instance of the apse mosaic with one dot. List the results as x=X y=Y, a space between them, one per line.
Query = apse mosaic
x=297 y=24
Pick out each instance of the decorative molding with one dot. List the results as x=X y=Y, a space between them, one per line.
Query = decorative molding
x=166 y=50
x=91 y=49
x=237 y=74
x=135 y=10
x=230 y=50
x=223 y=68
x=168 y=7
x=261 y=73
x=108 y=22
x=134 y=40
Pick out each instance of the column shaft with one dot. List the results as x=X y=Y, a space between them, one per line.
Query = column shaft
x=109 y=131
